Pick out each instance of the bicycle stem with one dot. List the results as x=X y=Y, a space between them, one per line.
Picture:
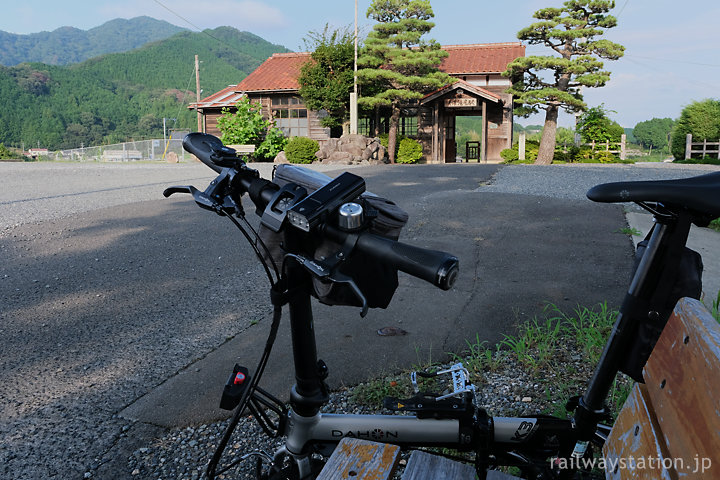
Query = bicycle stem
x=309 y=393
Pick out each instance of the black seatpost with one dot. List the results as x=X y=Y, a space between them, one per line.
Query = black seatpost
x=309 y=393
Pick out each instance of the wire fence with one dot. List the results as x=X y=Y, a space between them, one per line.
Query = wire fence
x=169 y=150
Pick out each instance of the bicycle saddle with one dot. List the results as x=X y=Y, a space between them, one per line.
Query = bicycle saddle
x=701 y=193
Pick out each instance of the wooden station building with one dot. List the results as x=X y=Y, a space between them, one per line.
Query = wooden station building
x=479 y=91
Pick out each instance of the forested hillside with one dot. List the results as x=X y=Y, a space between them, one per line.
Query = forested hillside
x=124 y=95
x=68 y=45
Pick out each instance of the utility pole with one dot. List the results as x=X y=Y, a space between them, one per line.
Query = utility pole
x=354 y=95
x=197 y=93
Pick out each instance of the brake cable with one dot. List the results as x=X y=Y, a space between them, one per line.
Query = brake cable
x=212 y=465
x=272 y=335
x=254 y=245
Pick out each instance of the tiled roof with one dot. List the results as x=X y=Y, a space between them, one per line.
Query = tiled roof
x=480 y=58
x=226 y=97
x=280 y=72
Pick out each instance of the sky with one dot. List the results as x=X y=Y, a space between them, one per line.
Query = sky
x=672 y=55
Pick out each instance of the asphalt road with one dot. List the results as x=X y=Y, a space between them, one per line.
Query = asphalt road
x=122 y=312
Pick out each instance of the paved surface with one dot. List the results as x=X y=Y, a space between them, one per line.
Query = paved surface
x=122 y=312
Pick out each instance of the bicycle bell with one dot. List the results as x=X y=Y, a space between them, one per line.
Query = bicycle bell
x=351 y=217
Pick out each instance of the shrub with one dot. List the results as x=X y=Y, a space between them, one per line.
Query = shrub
x=566 y=154
x=301 y=150
x=6 y=153
x=707 y=160
x=247 y=127
x=511 y=155
x=701 y=119
x=569 y=154
x=273 y=143
x=409 y=151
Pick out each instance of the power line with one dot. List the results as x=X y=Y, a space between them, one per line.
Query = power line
x=623 y=8
x=197 y=28
x=665 y=60
x=672 y=74
x=179 y=16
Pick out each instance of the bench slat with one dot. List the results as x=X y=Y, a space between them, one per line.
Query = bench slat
x=424 y=466
x=243 y=149
x=672 y=423
x=361 y=459
x=636 y=435
x=683 y=383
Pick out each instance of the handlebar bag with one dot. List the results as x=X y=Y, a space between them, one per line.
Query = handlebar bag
x=376 y=280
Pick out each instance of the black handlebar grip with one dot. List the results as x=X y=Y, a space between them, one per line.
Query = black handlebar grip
x=439 y=268
x=202 y=145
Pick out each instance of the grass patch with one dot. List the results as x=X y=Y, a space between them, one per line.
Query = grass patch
x=558 y=349
x=715 y=310
x=629 y=231
x=715 y=225
x=700 y=161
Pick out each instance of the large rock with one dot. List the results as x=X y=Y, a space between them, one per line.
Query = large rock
x=352 y=149
x=340 y=157
x=355 y=139
x=281 y=158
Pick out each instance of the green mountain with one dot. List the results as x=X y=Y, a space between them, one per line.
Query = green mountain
x=68 y=45
x=121 y=96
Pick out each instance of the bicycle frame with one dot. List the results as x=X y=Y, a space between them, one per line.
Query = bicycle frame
x=528 y=442
x=510 y=440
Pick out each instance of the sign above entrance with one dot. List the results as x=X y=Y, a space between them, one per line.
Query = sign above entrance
x=461 y=102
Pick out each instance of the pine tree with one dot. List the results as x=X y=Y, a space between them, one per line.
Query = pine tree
x=570 y=31
x=396 y=62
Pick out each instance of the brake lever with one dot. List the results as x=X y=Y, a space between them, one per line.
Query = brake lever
x=201 y=198
x=325 y=274
x=340 y=278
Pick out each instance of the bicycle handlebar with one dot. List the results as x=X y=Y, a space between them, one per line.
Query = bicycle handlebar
x=203 y=147
x=436 y=267
x=433 y=266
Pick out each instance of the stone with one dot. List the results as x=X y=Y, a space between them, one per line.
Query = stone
x=281 y=158
x=331 y=144
x=321 y=155
x=354 y=139
x=339 y=157
x=381 y=153
x=367 y=154
x=353 y=149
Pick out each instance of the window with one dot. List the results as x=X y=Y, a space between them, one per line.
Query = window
x=407 y=126
x=291 y=116
x=364 y=127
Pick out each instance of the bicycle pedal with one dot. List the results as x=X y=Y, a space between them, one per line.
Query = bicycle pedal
x=426 y=406
x=234 y=387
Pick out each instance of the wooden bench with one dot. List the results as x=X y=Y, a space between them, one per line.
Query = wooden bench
x=670 y=426
x=243 y=149
x=355 y=459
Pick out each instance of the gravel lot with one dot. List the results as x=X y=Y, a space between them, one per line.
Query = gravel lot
x=573 y=181
x=77 y=349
